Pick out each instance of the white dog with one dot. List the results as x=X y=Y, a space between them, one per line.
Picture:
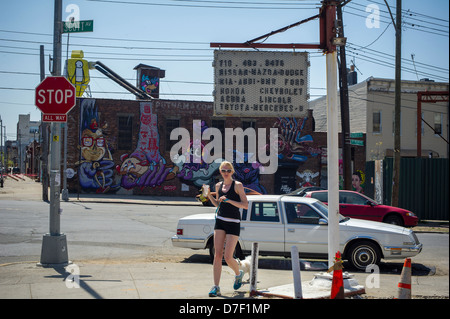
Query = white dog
x=245 y=265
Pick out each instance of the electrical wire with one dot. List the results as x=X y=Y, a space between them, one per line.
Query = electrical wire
x=313 y=5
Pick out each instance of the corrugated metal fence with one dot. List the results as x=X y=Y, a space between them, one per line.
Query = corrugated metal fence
x=424 y=186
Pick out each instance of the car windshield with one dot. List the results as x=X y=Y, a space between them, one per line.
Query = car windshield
x=324 y=210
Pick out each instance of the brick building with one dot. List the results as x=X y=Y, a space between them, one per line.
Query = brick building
x=123 y=147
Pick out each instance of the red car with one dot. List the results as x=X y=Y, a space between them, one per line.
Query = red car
x=356 y=205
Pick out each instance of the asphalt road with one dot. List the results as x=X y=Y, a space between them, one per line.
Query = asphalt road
x=129 y=232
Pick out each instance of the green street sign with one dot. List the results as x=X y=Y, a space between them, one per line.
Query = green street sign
x=356 y=135
x=356 y=142
x=78 y=26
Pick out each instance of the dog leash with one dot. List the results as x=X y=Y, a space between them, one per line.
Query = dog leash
x=218 y=207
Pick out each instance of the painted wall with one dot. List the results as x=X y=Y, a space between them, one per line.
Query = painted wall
x=145 y=167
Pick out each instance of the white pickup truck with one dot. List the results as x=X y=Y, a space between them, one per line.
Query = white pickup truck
x=277 y=222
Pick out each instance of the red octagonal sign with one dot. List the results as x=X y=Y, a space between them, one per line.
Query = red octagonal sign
x=55 y=97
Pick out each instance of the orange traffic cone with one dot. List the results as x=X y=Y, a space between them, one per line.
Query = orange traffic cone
x=404 y=286
x=337 y=284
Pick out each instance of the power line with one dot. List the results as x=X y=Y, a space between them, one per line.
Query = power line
x=406 y=25
x=408 y=13
x=109 y=46
x=384 y=54
x=314 y=5
x=412 y=12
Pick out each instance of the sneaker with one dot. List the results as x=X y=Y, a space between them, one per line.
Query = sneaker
x=238 y=280
x=215 y=291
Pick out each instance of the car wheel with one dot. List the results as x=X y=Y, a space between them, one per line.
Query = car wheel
x=237 y=251
x=394 y=219
x=364 y=253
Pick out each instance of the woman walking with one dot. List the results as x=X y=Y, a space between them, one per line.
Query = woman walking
x=230 y=196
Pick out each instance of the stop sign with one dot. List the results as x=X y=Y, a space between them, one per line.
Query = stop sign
x=55 y=97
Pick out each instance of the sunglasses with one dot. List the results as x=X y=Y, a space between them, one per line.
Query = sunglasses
x=226 y=170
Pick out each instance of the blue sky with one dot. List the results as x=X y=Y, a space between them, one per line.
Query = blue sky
x=174 y=35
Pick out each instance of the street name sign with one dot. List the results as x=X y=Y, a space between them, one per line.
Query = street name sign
x=78 y=26
x=357 y=142
x=356 y=135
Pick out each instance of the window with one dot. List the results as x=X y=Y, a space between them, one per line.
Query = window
x=352 y=198
x=437 y=123
x=301 y=214
x=220 y=125
x=322 y=196
x=264 y=212
x=376 y=122
x=170 y=125
x=125 y=138
x=246 y=125
x=244 y=214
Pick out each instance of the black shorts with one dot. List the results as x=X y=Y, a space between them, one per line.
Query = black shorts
x=230 y=228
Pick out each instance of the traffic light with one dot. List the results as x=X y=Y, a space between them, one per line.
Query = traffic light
x=78 y=71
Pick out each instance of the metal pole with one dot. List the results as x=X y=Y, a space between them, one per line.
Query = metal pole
x=65 y=192
x=398 y=97
x=419 y=124
x=345 y=115
x=332 y=156
x=298 y=294
x=54 y=244
x=55 y=146
x=44 y=132
x=254 y=269
x=55 y=178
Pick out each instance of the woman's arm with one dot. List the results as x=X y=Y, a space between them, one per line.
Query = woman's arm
x=214 y=201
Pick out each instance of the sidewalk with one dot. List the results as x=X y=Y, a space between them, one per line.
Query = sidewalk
x=184 y=279
x=24 y=188
x=128 y=280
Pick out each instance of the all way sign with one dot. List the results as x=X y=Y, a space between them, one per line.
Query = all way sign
x=54 y=118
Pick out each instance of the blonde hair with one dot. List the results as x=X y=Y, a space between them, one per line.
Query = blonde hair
x=226 y=163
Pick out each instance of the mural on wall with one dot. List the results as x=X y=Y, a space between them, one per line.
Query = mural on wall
x=145 y=167
x=307 y=178
x=149 y=84
x=292 y=145
x=248 y=173
x=197 y=174
x=96 y=166
x=358 y=181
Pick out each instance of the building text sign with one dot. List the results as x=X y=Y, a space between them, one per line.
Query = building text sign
x=260 y=83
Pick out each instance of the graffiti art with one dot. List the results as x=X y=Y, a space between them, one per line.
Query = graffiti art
x=96 y=166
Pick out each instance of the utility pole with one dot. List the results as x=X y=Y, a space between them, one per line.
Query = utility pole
x=44 y=132
x=329 y=40
x=54 y=244
x=345 y=114
x=397 y=146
